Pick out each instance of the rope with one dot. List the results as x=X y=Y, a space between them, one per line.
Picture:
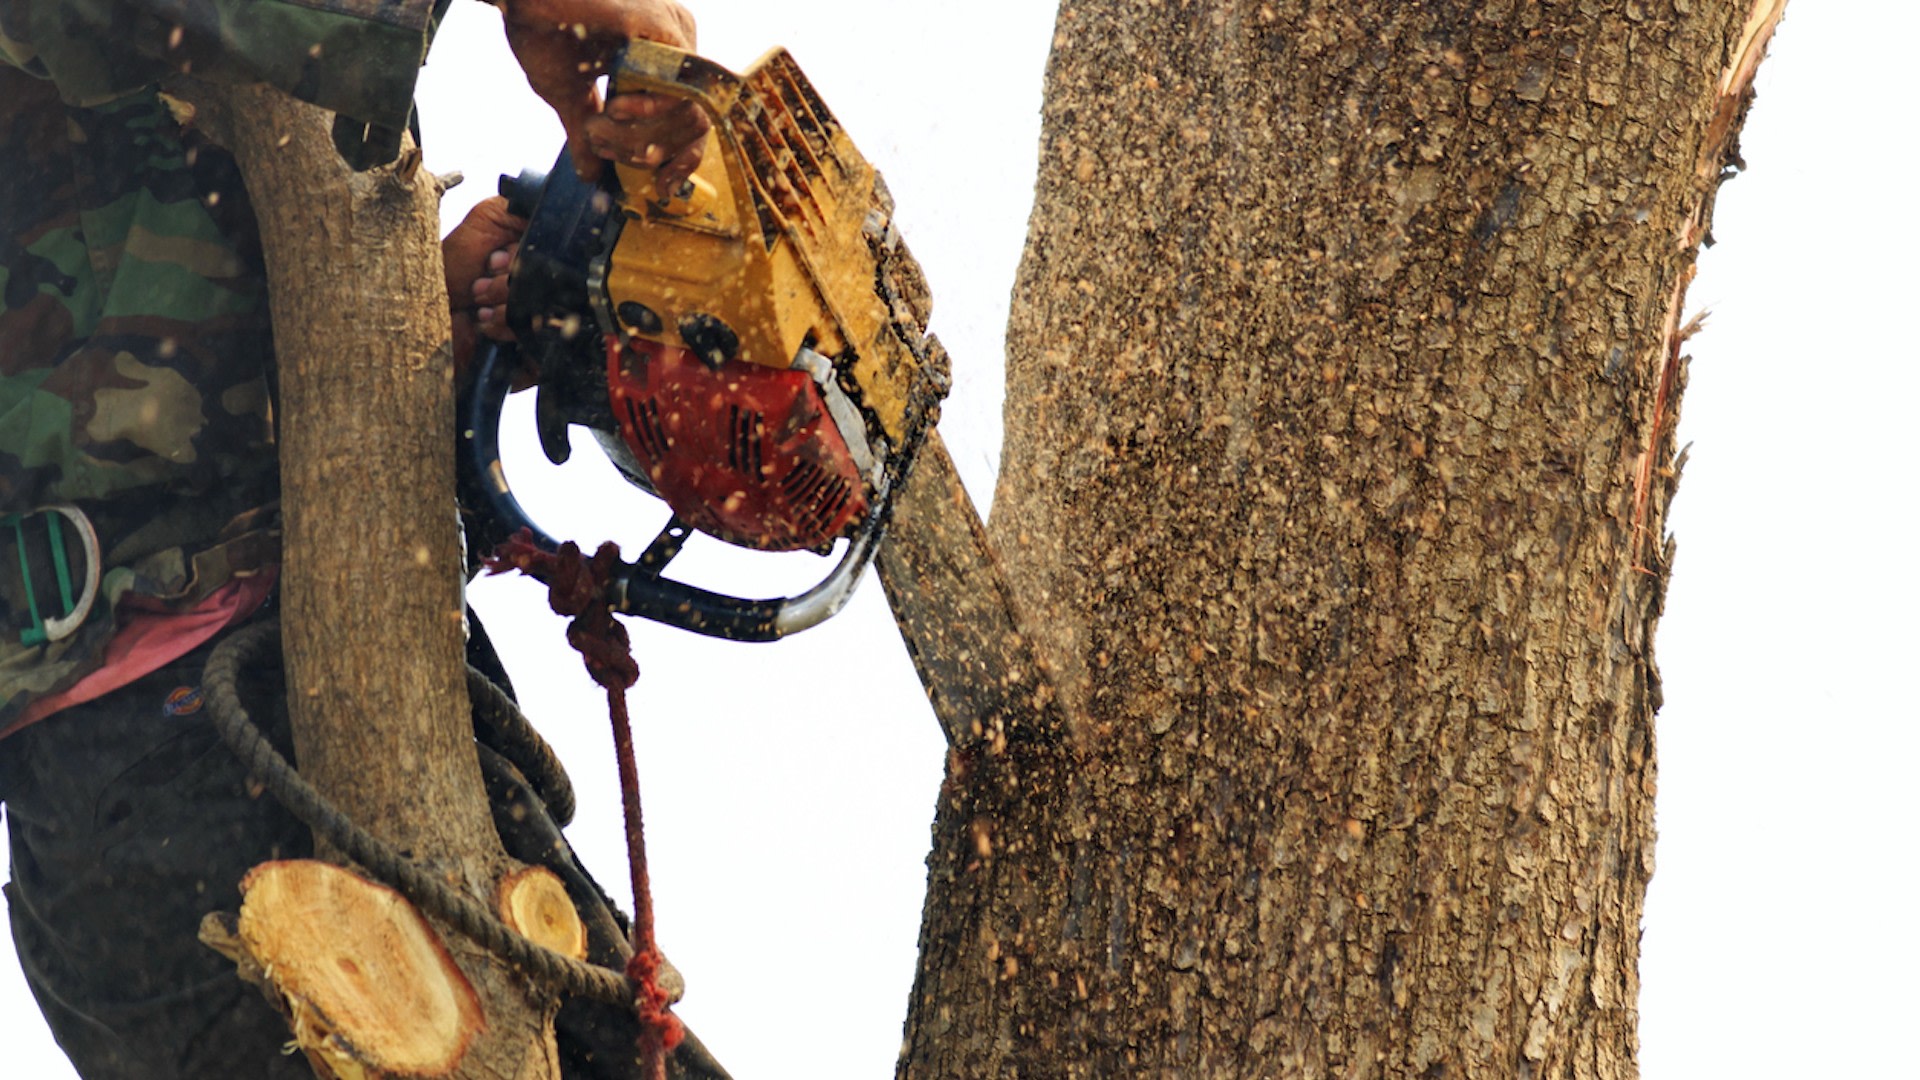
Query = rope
x=563 y=974
x=499 y=723
x=578 y=586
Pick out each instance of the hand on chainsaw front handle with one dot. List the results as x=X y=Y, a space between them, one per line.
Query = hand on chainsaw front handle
x=476 y=255
x=565 y=46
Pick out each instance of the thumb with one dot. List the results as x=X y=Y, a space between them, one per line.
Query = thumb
x=574 y=111
x=585 y=161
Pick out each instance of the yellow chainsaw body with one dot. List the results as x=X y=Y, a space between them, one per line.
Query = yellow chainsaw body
x=775 y=238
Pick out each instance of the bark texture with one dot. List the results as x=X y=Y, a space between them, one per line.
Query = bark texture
x=371 y=579
x=1341 y=379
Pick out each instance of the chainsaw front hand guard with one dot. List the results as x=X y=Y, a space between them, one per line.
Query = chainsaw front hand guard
x=639 y=589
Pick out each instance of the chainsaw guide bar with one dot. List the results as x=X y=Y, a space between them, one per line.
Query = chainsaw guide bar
x=751 y=349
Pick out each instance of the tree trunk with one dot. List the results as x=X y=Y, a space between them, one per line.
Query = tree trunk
x=371 y=580
x=1342 y=372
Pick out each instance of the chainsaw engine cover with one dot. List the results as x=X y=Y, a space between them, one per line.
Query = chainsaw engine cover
x=740 y=451
x=751 y=348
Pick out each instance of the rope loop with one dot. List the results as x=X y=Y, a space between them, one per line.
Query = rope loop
x=560 y=974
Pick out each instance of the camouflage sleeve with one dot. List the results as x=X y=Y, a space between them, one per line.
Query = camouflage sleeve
x=359 y=58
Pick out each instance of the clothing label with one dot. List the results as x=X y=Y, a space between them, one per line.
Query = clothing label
x=183 y=701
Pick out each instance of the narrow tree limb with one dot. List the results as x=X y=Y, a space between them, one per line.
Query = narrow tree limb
x=370 y=581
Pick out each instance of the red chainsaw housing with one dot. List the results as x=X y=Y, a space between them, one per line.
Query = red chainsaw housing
x=740 y=451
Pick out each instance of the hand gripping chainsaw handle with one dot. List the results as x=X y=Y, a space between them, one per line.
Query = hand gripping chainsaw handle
x=767 y=256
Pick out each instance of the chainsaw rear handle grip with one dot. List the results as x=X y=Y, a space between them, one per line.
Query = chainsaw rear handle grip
x=648 y=67
x=638 y=592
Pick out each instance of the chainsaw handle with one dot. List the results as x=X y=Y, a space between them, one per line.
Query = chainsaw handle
x=648 y=67
x=481 y=478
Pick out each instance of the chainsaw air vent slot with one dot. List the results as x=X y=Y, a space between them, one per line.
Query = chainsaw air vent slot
x=744 y=453
x=818 y=496
x=761 y=160
x=644 y=418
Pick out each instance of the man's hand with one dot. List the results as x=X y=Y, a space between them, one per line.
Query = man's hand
x=565 y=46
x=477 y=253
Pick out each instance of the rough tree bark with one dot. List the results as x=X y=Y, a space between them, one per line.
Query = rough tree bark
x=371 y=578
x=1342 y=372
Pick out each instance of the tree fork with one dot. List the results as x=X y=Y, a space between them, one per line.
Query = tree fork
x=371 y=575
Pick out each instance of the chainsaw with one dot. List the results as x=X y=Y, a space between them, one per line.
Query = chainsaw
x=751 y=348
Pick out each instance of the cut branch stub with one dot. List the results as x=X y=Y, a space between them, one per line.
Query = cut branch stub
x=535 y=905
x=368 y=986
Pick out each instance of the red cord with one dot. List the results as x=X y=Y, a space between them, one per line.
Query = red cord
x=577 y=586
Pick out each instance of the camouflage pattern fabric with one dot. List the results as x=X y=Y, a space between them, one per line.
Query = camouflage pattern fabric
x=356 y=57
x=135 y=351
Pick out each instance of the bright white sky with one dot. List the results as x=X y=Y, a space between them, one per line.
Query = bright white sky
x=789 y=788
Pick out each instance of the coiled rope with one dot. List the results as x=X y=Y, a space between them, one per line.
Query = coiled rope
x=499 y=723
x=562 y=974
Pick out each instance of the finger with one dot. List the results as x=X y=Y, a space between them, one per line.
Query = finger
x=492 y=217
x=496 y=327
x=637 y=153
x=491 y=210
x=676 y=171
x=640 y=105
x=648 y=143
x=490 y=290
x=660 y=118
x=463 y=256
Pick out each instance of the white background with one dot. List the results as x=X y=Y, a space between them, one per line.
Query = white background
x=789 y=787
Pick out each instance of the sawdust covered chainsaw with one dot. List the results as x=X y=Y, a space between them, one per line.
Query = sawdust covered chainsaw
x=752 y=349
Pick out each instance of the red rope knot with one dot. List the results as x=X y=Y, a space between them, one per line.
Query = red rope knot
x=660 y=1030
x=579 y=587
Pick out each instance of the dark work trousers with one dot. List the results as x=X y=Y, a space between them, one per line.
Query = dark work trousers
x=128 y=819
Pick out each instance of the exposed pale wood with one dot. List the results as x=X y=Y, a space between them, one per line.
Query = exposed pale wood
x=1341 y=376
x=368 y=985
x=534 y=903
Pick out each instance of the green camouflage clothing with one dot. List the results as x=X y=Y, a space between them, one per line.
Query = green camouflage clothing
x=135 y=352
x=357 y=57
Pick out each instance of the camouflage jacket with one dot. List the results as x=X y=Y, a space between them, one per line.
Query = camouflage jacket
x=135 y=351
